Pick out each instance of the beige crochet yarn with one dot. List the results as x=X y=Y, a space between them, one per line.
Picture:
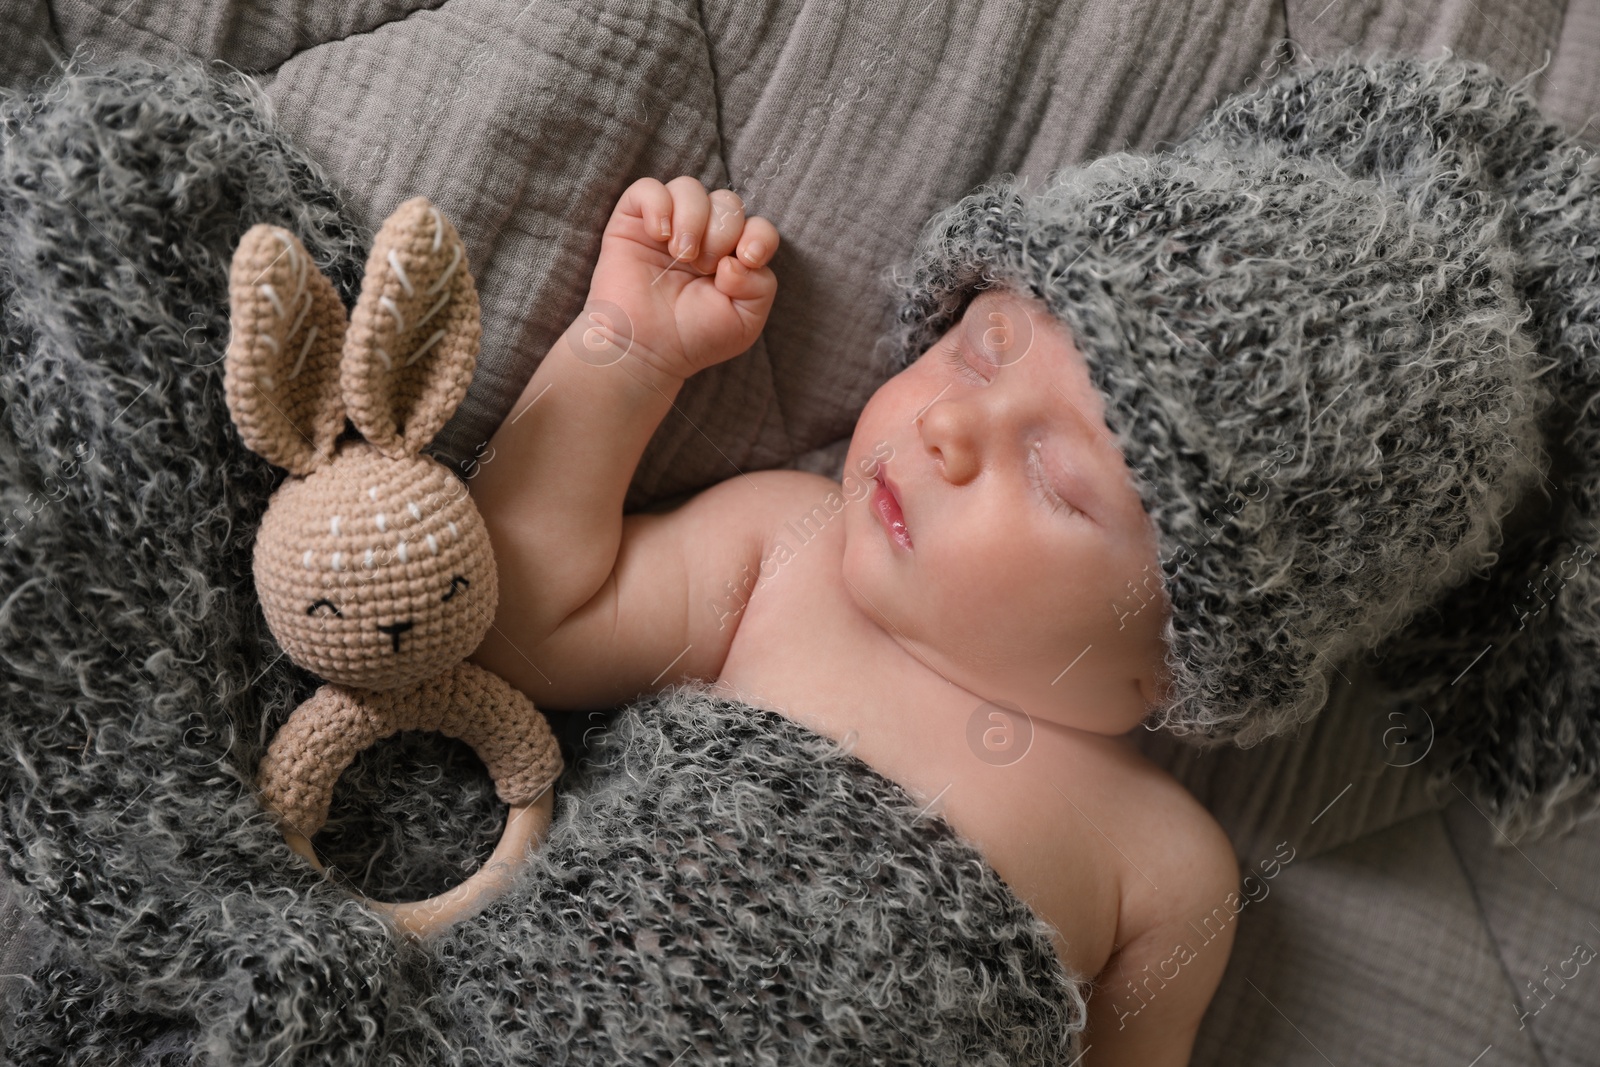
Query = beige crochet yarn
x=372 y=563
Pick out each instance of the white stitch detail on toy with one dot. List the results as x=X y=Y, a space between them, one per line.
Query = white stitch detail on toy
x=388 y=364
x=272 y=294
x=311 y=335
x=266 y=380
x=295 y=263
x=383 y=523
x=416 y=512
x=369 y=558
x=303 y=302
x=451 y=269
x=388 y=305
x=333 y=526
x=400 y=272
x=400 y=550
x=429 y=343
x=372 y=492
x=299 y=286
x=438 y=226
x=305 y=560
x=433 y=544
x=273 y=341
x=442 y=301
x=453 y=531
x=338 y=561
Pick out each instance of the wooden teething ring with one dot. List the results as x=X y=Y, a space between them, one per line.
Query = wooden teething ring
x=524 y=824
x=332 y=727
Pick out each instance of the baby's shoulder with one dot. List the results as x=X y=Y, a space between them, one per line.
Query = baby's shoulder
x=1180 y=862
x=797 y=506
x=768 y=499
x=1176 y=873
x=780 y=490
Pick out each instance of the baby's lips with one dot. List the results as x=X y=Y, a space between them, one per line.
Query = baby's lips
x=891 y=510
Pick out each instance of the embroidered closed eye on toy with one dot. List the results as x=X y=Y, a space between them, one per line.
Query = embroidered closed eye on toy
x=372 y=563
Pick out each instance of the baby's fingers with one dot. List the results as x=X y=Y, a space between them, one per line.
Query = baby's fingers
x=739 y=282
x=723 y=232
x=757 y=243
x=650 y=202
x=691 y=208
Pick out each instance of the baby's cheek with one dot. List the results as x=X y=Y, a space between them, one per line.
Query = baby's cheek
x=993 y=596
x=857 y=485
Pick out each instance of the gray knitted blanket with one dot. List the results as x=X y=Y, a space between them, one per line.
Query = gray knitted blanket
x=719 y=884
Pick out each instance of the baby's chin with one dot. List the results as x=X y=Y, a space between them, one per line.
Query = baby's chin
x=1105 y=706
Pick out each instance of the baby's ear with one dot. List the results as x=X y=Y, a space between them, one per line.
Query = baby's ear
x=281 y=374
x=413 y=340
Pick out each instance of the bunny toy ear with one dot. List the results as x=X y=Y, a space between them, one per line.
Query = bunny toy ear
x=281 y=374
x=413 y=338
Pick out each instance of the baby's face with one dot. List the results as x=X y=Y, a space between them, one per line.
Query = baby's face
x=1027 y=569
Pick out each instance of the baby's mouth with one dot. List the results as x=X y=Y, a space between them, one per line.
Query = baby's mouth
x=886 y=505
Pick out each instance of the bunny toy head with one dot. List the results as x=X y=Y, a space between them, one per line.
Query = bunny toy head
x=373 y=566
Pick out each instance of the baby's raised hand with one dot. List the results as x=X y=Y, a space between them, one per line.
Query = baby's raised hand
x=684 y=306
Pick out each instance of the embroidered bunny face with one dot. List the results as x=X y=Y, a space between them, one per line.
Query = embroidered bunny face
x=374 y=572
x=372 y=563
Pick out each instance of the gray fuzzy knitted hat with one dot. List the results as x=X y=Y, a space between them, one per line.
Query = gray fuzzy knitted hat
x=1324 y=324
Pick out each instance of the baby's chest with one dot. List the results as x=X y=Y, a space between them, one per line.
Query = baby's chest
x=803 y=651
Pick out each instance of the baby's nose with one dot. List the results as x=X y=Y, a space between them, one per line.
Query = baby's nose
x=948 y=433
x=395 y=629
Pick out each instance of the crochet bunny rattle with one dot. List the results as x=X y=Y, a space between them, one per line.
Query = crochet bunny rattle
x=373 y=565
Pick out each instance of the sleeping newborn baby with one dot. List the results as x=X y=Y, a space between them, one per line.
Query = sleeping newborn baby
x=984 y=577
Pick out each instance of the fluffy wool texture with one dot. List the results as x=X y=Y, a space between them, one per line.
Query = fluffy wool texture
x=718 y=884
x=1340 y=329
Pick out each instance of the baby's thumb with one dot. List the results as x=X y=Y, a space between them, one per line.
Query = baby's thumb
x=742 y=284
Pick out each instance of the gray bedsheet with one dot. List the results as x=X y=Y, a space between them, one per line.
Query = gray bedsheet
x=847 y=124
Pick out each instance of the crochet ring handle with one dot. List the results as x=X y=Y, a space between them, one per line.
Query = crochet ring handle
x=326 y=732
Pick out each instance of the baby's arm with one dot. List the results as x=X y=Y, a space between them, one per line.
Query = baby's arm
x=551 y=485
x=1176 y=930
